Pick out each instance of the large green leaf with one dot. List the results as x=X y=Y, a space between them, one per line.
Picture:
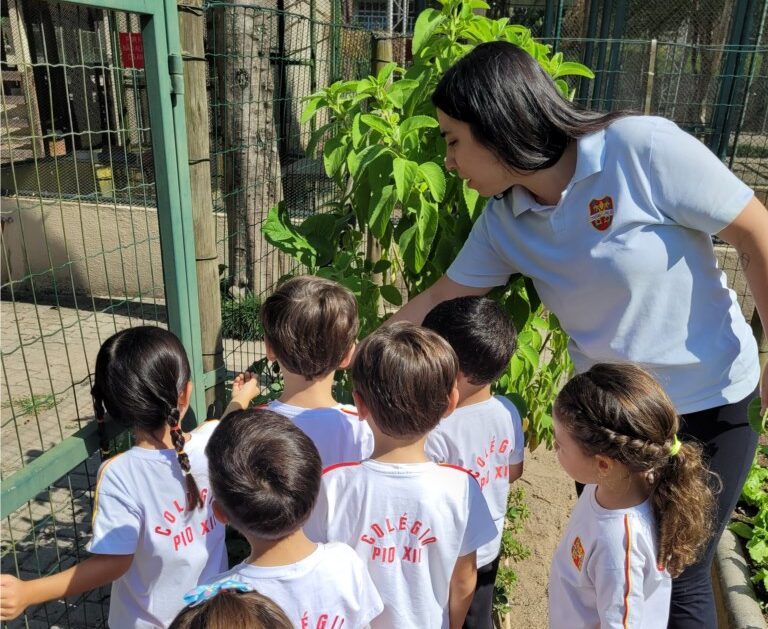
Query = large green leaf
x=391 y=294
x=435 y=178
x=405 y=172
x=426 y=223
x=414 y=123
x=425 y=25
x=279 y=231
x=757 y=420
x=313 y=103
x=377 y=124
x=334 y=154
x=571 y=68
x=382 y=210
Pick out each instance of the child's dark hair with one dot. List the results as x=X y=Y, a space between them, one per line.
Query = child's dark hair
x=310 y=323
x=230 y=608
x=620 y=411
x=479 y=331
x=405 y=374
x=140 y=374
x=264 y=471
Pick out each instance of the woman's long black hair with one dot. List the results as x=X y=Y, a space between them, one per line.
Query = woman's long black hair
x=140 y=374
x=513 y=107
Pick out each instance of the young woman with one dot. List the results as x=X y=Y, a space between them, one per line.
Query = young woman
x=611 y=216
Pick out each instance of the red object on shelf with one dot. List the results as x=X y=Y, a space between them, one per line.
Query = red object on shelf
x=131 y=50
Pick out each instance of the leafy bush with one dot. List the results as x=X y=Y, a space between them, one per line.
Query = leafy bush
x=511 y=550
x=240 y=318
x=383 y=151
x=754 y=526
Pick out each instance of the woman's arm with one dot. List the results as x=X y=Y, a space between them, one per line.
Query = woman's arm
x=17 y=595
x=748 y=234
x=444 y=288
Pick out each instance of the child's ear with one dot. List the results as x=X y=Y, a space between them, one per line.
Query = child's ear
x=271 y=357
x=184 y=397
x=347 y=360
x=604 y=464
x=362 y=408
x=453 y=400
x=219 y=512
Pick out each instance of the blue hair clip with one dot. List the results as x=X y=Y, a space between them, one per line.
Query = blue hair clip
x=203 y=593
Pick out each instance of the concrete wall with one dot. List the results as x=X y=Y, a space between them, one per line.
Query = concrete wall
x=84 y=248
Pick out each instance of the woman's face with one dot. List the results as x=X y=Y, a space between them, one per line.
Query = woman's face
x=472 y=161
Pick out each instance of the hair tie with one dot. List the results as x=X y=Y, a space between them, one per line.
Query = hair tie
x=675 y=448
x=203 y=593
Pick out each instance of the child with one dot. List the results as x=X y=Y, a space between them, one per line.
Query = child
x=154 y=534
x=227 y=605
x=484 y=434
x=310 y=326
x=417 y=524
x=646 y=509
x=265 y=475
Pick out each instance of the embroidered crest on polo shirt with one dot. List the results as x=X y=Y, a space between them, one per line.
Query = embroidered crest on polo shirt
x=577 y=553
x=601 y=213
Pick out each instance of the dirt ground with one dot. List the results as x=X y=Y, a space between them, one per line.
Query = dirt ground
x=550 y=495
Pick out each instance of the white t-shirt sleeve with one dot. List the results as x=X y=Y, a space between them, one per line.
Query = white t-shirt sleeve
x=117 y=525
x=690 y=184
x=478 y=264
x=371 y=604
x=480 y=526
x=517 y=453
x=617 y=597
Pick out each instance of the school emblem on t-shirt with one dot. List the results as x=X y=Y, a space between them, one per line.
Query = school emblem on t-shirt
x=577 y=553
x=601 y=213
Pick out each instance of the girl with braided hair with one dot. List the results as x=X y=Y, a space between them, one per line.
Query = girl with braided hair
x=646 y=510
x=154 y=533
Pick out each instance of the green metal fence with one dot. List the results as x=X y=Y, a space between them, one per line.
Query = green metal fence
x=96 y=237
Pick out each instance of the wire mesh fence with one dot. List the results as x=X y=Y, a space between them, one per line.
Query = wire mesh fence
x=262 y=64
x=80 y=259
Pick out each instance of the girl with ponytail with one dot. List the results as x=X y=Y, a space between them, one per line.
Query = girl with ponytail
x=646 y=510
x=154 y=533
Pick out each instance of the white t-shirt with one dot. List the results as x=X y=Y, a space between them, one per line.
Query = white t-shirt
x=604 y=572
x=409 y=523
x=484 y=438
x=625 y=260
x=330 y=589
x=139 y=508
x=337 y=432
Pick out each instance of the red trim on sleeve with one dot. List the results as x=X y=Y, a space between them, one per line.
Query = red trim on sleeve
x=350 y=411
x=627 y=573
x=330 y=468
x=261 y=406
x=456 y=467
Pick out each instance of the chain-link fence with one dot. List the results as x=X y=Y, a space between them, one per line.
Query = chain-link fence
x=80 y=260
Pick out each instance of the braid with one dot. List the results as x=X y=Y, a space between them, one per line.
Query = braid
x=177 y=437
x=100 y=412
x=639 y=454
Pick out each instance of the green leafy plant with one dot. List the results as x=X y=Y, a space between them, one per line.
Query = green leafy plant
x=753 y=525
x=240 y=317
x=34 y=404
x=398 y=219
x=512 y=550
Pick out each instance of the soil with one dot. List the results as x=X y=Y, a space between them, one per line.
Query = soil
x=550 y=495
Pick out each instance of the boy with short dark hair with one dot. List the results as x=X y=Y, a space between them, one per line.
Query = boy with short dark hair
x=265 y=476
x=417 y=524
x=484 y=434
x=310 y=326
